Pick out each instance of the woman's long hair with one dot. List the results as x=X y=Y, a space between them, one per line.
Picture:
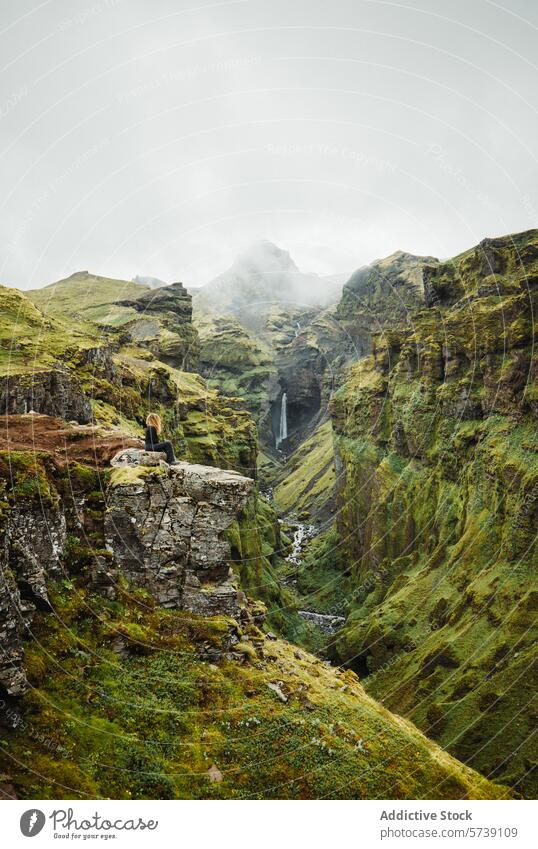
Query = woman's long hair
x=153 y=420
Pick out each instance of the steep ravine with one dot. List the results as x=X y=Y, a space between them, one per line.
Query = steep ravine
x=136 y=667
x=147 y=617
x=437 y=509
x=433 y=434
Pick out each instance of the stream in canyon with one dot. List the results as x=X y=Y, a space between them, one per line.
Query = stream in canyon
x=328 y=623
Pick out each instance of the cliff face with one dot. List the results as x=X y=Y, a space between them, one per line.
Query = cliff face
x=438 y=507
x=165 y=326
x=143 y=667
x=32 y=540
x=164 y=527
x=382 y=294
x=159 y=527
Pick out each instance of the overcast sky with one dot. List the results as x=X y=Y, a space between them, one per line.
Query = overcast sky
x=161 y=137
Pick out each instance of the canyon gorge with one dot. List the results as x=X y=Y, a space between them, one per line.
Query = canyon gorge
x=333 y=594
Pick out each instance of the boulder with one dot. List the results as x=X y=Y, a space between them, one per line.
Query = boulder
x=165 y=528
x=138 y=457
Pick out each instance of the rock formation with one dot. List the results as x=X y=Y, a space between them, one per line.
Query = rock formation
x=384 y=293
x=32 y=539
x=54 y=393
x=164 y=527
x=163 y=530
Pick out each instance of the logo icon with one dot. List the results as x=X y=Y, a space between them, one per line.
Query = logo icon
x=32 y=822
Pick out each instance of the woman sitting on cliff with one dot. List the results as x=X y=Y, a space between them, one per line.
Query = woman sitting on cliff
x=152 y=443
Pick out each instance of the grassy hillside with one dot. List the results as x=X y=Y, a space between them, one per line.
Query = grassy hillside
x=88 y=297
x=307 y=485
x=157 y=319
x=128 y=708
x=131 y=700
x=436 y=434
x=29 y=340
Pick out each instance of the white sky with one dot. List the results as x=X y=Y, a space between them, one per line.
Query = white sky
x=162 y=137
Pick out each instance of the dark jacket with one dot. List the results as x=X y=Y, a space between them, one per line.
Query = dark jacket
x=151 y=438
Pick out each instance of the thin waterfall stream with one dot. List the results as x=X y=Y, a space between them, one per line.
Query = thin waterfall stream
x=283 y=428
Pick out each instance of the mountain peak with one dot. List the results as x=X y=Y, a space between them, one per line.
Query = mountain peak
x=264 y=257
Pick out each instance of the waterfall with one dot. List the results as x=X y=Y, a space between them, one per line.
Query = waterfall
x=283 y=429
x=298 y=329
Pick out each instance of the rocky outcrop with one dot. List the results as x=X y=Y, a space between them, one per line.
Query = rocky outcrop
x=55 y=393
x=164 y=530
x=164 y=527
x=383 y=294
x=165 y=325
x=32 y=542
x=172 y=299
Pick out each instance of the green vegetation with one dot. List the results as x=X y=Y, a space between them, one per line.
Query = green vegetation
x=88 y=297
x=307 y=485
x=431 y=559
x=24 y=477
x=30 y=342
x=322 y=578
x=122 y=705
x=235 y=362
x=437 y=512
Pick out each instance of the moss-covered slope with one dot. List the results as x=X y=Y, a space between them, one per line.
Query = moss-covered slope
x=237 y=363
x=382 y=294
x=127 y=699
x=30 y=341
x=157 y=319
x=126 y=702
x=438 y=509
x=89 y=297
x=306 y=487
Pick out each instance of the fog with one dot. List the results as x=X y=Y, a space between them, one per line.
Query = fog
x=162 y=138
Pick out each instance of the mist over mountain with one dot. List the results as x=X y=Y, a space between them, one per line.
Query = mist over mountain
x=152 y=282
x=261 y=277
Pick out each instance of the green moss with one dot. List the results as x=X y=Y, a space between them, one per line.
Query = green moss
x=256 y=549
x=132 y=475
x=88 y=296
x=30 y=342
x=151 y=724
x=309 y=480
x=437 y=512
x=25 y=475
